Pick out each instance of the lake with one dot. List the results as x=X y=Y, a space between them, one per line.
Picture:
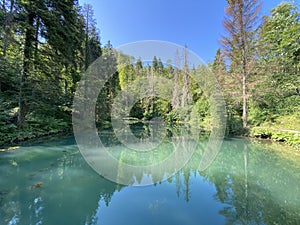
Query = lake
x=249 y=182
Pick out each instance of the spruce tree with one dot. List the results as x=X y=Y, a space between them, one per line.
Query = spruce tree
x=241 y=25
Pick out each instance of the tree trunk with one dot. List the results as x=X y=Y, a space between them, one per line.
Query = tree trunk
x=185 y=92
x=241 y=24
x=244 y=93
x=175 y=99
x=244 y=63
x=8 y=27
x=29 y=39
x=87 y=52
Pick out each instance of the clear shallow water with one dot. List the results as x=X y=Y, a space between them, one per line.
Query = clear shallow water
x=248 y=183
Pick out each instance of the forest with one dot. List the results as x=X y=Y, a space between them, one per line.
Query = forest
x=47 y=45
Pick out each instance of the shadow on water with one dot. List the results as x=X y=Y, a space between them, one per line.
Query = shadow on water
x=248 y=183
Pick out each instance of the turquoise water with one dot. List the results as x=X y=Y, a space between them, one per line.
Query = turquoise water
x=249 y=182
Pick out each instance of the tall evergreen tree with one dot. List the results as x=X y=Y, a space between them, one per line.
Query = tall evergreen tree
x=241 y=25
x=155 y=64
x=176 y=90
x=138 y=67
x=92 y=47
x=7 y=17
x=29 y=8
x=185 y=70
x=219 y=65
x=59 y=24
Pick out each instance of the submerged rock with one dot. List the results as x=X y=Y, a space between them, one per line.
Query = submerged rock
x=3 y=192
x=37 y=185
x=43 y=170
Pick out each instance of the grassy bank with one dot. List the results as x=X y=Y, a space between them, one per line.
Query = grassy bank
x=10 y=134
x=282 y=129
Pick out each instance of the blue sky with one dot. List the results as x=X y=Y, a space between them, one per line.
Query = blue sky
x=196 y=23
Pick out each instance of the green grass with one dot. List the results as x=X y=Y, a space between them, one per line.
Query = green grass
x=285 y=128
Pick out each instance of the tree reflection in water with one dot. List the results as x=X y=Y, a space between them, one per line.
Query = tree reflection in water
x=252 y=184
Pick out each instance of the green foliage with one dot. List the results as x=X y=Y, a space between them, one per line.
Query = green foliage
x=273 y=75
x=281 y=31
x=283 y=128
x=258 y=116
x=291 y=138
x=235 y=126
x=279 y=61
x=48 y=45
x=35 y=128
x=202 y=106
x=173 y=117
x=42 y=58
x=261 y=132
x=126 y=75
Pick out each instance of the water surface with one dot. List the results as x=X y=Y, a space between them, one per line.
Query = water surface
x=249 y=182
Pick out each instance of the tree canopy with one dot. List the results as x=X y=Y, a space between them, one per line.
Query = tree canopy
x=47 y=45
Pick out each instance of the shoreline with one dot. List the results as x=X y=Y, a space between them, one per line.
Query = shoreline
x=10 y=146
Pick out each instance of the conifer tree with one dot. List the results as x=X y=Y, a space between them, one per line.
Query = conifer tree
x=240 y=24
